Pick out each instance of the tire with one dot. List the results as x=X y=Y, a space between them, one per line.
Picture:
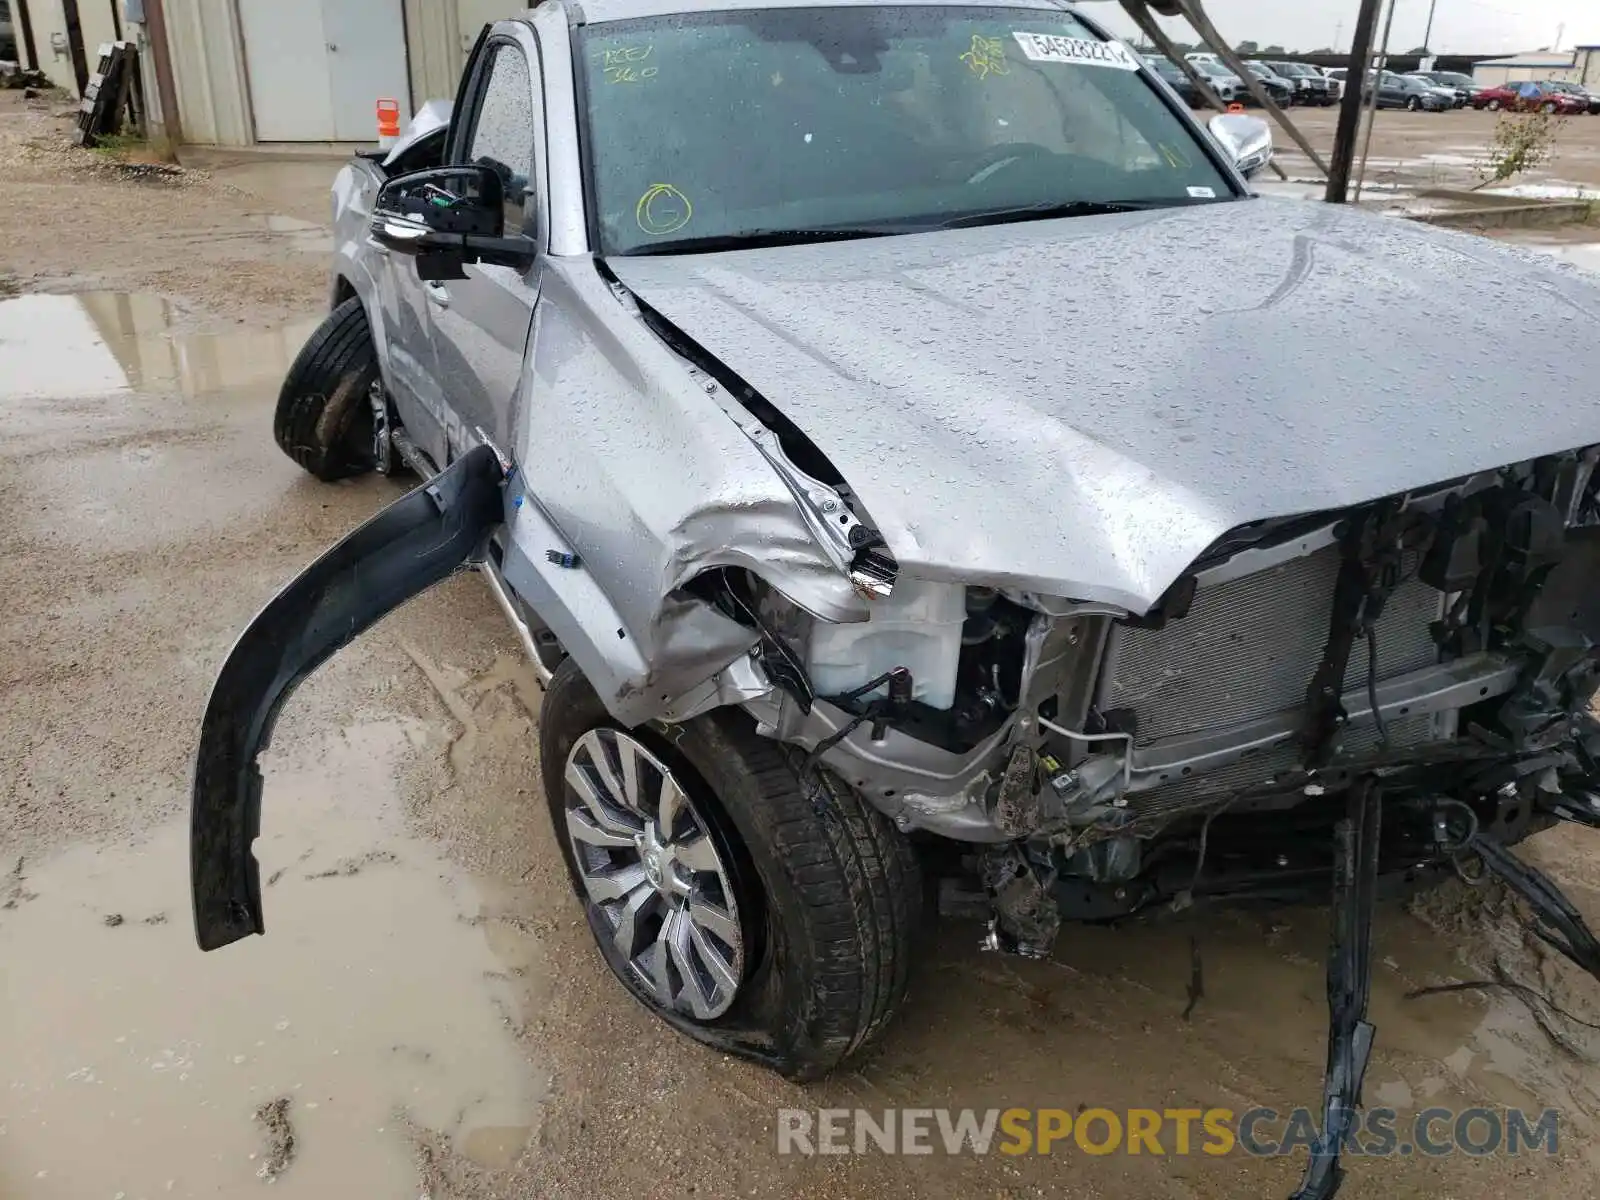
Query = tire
x=1547 y=107
x=1413 y=104
x=324 y=415
x=829 y=893
x=1493 y=106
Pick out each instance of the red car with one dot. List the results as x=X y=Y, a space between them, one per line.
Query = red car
x=1529 y=96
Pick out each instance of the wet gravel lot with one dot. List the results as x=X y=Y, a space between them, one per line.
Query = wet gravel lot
x=426 y=1016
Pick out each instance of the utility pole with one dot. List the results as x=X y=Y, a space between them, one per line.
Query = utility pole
x=1344 y=140
x=1427 y=38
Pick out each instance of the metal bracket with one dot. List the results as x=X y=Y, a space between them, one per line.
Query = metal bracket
x=1350 y=1034
x=1369 y=571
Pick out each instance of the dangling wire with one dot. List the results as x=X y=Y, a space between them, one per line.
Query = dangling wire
x=1372 y=684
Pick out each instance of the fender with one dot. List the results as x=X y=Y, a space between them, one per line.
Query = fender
x=418 y=541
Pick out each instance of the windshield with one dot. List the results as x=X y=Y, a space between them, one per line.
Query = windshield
x=713 y=125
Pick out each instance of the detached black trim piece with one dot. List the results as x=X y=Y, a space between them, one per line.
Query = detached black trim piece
x=413 y=544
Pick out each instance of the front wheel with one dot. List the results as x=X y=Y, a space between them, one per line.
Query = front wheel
x=1493 y=106
x=1547 y=107
x=762 y=910
x=324 y=419
x=1413 y=104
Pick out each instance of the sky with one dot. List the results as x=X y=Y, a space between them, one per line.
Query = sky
x=1459 y=26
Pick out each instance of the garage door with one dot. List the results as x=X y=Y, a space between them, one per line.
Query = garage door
x=319 y=67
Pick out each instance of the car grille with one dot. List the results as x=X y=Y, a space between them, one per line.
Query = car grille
x=1248 y=649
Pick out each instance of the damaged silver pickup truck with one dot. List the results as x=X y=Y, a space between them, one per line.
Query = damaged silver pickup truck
x=899 y=439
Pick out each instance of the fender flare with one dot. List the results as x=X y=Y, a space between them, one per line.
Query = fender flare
x=416 y=542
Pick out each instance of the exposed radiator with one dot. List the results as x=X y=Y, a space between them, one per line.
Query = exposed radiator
x=1248 y=649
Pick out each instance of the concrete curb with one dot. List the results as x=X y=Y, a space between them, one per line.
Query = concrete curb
x=1520 y=214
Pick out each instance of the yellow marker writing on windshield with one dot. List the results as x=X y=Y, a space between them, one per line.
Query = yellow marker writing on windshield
x=986 y=56
x=627 y=64
x=663 y=209
x=1175 y=157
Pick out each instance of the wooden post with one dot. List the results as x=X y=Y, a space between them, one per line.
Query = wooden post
x=155 y=22
x=1355 y=85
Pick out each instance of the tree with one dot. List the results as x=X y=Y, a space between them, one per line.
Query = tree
x=1247 y=48
x=1275 y=49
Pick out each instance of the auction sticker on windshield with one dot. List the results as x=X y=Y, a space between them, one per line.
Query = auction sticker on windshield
x=1088 y=52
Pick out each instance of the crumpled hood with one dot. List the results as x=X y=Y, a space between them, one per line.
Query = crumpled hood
x=1081 y=407
x=431 y=117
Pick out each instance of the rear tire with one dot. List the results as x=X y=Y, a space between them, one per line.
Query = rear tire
x=828 y=892
x=1413 y=104
x=1493 y=106
x=324 y=417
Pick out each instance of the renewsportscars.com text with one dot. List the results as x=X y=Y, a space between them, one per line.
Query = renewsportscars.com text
x=1259 y=1132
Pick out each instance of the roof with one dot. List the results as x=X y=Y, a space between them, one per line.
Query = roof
x=1532 y=58
x=596 y=11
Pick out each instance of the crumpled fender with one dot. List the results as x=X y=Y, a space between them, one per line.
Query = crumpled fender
x=413 y=544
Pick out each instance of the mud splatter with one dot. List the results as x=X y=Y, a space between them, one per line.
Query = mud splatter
x=14 y=889
x=353 y=866
x=274 y=1116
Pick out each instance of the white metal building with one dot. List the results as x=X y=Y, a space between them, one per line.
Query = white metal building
x=240 y=72
x=1538 y=64
x=248 y=71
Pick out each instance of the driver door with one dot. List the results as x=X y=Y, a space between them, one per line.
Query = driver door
x=479 y=325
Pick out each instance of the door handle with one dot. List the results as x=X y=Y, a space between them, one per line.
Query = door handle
x=438 y=294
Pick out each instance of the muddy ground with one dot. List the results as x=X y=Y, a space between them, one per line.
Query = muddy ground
x=427 y=1015
x=1446 y=149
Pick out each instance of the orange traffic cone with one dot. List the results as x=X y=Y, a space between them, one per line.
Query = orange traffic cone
x=388 y=123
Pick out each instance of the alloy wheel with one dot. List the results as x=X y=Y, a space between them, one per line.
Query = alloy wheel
x=646 y=857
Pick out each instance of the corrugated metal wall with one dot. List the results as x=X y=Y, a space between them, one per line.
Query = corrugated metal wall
x=208 y=60
x=208 y=72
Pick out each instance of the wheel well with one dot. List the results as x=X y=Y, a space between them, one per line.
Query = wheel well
x=343 y=290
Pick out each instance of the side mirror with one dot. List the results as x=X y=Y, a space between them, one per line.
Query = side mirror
x=447 y=217
x=1246 y=140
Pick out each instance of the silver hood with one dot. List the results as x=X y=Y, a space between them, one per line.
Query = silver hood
x=1081 y=407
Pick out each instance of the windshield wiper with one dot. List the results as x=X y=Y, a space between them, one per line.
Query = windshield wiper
x=752 y=239
x=1050 y=209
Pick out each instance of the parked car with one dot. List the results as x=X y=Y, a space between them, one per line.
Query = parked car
x=1460 y=86
x=1276 y=86
x=1416 y=95
x=1229 y=87
x=1588 y=96
x=1176 y=79
x=1530 y=96
x=1311 y=85
x=746 y=389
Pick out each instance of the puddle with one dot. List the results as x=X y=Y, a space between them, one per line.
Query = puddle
x=1582 y=254
x=1315 y=189
x=102 y=343
x=134 y=1065
x=1554 y=190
